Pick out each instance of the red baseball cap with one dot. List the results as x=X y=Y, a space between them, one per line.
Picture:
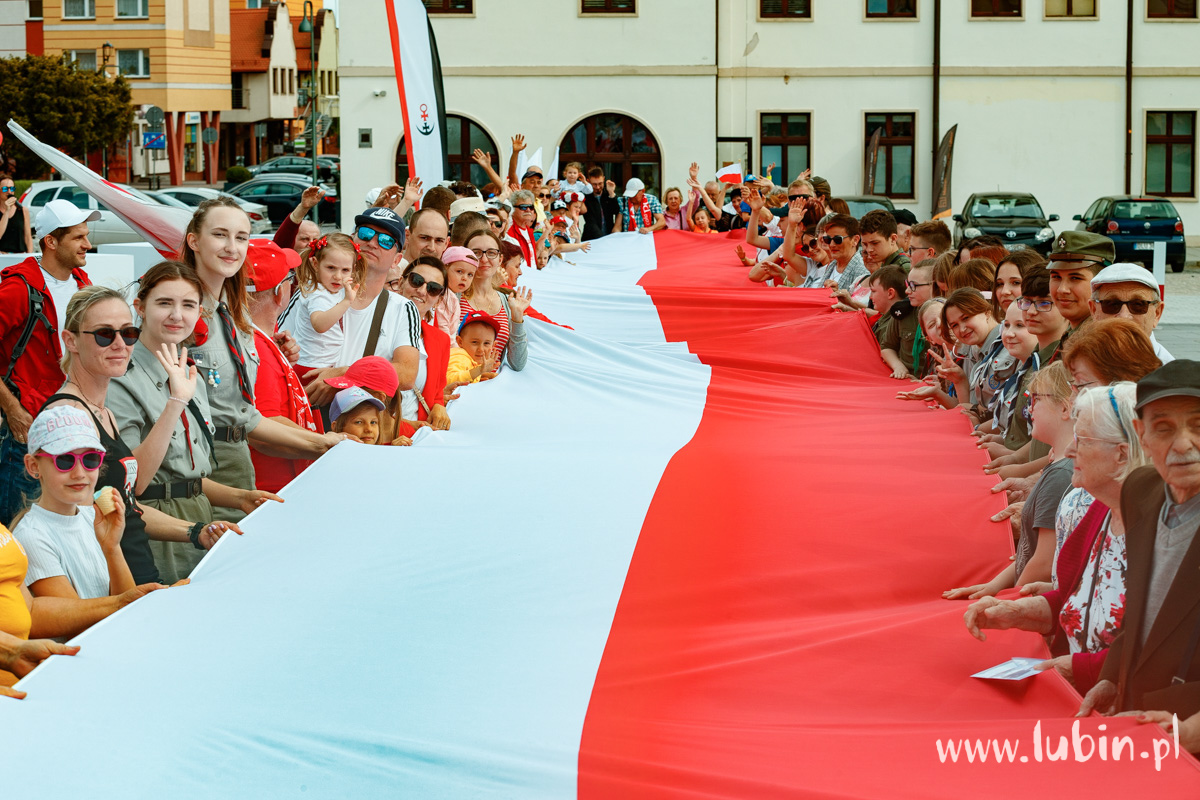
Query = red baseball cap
x=558 y=221
x=267 y=264
x=370 y=372
x=480 y=316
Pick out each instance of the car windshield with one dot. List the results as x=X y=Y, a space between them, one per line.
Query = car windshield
x=1144 y=209
x=1023 y=207
x=859 y=209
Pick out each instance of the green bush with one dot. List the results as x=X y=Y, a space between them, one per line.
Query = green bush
x=236 y=174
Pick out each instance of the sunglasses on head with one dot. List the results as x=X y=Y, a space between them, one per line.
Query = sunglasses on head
x=834 y=239
x=1137 y=306
x=66 y=462
x=417 y=281
x=106 y=336
x=386 y=240
x=524 y=206
x=1024 y=303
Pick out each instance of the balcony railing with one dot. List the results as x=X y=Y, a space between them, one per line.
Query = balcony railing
x=240 y=98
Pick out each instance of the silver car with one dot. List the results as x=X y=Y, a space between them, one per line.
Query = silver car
x=109 y=229
x=193 y=196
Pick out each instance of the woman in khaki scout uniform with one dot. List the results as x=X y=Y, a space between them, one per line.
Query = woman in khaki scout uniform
x=215 y=247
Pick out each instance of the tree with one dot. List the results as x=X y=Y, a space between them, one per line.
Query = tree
x=75 y=110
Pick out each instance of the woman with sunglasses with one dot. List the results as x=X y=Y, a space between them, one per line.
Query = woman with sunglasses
x=424 y=282
x=98 y=339
x=15 y=236
x=168 y=304
x=215 y=247
x=508 y=310
x=1083 y=614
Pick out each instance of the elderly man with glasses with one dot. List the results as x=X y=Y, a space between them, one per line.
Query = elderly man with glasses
x=378 y=322
x=1129 y=290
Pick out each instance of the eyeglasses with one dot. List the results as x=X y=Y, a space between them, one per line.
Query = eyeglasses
x=386 y=240
x=106 y=336
x=394 y=285
x=912 y=249
x=91 y=460
x=1077 y=437
x=524 y=206
x=1033 y=397
x=914 y=286
x=1079 y=387
x=1025 y=303
x=417 y=281
x=1137 y=306
x=492 y=254
x=834 y=239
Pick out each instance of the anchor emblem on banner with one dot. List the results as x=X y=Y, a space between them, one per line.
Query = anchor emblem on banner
x=425 y=127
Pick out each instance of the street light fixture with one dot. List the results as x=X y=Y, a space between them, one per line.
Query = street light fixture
x=106 y=51
x=308 y=25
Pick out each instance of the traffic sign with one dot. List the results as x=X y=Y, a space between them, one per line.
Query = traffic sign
x=154 y=115
x=209 y=136
x=154 y=141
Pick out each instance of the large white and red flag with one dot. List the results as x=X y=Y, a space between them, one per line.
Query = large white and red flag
x=162 y=226
x=696 y=548
x=419 y=83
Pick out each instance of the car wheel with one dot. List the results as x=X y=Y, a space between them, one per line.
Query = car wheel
x=1176 y=266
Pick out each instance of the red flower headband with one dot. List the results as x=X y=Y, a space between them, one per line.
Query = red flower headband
x=323 y=242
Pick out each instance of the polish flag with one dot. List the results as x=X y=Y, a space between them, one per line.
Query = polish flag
x=730 y=174
x=162 y=226
x=686 y=552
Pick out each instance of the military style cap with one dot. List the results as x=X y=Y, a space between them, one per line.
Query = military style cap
x=1082 y=246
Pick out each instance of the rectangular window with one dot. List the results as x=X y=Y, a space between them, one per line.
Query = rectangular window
x=1171 y=153
x=1171 y=9
x=995 y=8
x=133 y=8
x=784 y=141
x=35 y=9
x=449 y=6
x=253 y=3
x=79 y=9
x=1070 y=8
x=785 y=9
x=608 y=7
x=894 y=165
x=134 y=63
x=84 y=59
x=882 y=9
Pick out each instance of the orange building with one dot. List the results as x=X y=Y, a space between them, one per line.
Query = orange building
x=175 y=55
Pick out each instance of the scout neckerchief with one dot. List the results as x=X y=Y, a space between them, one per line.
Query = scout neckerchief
x=643 y=214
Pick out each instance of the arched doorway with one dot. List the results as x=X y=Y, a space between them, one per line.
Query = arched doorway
x=463 y=135
x=623 y=147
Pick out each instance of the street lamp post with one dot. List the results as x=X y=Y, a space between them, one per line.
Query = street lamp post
x=308 y=25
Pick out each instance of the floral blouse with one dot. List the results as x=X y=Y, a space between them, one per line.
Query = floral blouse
x=1102 y=588
x=1071 y=509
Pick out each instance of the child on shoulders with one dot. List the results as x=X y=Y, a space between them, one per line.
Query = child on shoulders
x=330 y=273
x=573 y=180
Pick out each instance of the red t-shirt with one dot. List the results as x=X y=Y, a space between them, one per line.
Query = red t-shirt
x=275 y=395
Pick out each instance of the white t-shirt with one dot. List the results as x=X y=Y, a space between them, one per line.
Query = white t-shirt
x=60 y=292
x=58 y=545
x=1160 y=351
x=316 y=349
x=401 y=327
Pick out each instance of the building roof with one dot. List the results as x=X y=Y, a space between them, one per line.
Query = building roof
x=303 y=57
x=249 y=49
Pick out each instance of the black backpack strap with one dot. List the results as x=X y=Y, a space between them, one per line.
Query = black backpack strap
x=37 y=313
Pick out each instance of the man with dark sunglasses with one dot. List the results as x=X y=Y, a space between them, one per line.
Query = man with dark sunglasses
x=376 y=315
x=1130 y=291
x=33 y=306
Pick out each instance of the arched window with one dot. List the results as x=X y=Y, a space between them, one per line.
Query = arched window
x=621 y=145
x=462 y=137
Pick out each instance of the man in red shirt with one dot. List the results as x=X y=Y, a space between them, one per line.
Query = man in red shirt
x=278 y=393
x=33 y=306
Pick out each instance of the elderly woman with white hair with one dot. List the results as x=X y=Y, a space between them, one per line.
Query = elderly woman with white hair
x=1083 y=614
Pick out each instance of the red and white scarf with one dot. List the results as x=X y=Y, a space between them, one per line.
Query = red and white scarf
x=298 y=410
x=524 y=238
x=643 y=211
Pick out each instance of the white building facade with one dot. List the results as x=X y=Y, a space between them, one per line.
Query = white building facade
x=1037 y=88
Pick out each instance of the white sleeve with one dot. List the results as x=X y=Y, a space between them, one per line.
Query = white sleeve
x=44 y=560
x=320 y=300
x=408 y=326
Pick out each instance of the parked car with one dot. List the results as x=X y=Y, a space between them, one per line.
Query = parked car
x=280 y=193
x=192 y=196
x=860 y=204
x=109 y=229
x=166 y=199
x=296 y=165
x=1016 y=217
x=1134 y=224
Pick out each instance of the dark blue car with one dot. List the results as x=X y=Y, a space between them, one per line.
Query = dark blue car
x=1135 y=223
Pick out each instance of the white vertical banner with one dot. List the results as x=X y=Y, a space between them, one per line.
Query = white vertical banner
x=418 y=79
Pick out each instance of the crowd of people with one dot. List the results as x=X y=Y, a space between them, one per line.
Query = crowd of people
x=136 y=434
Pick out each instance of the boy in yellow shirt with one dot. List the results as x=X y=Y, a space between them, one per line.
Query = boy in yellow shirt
x=473 y=360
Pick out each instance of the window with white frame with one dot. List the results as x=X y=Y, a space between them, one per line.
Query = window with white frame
x=134 y=63
x=83 y=59
x=79 y=9
x=133 y=8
